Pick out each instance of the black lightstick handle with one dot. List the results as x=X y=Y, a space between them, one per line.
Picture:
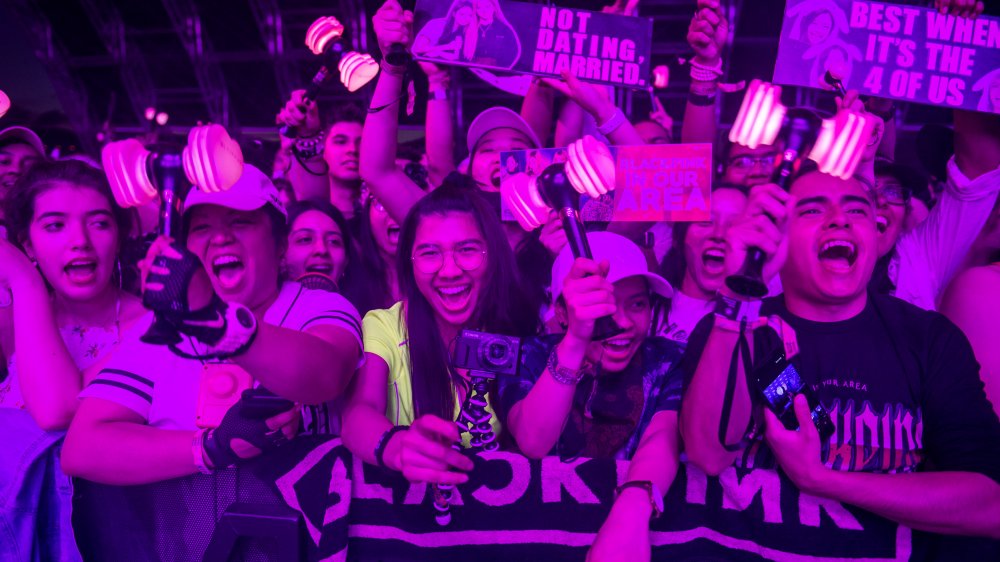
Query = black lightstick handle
x=605 y=326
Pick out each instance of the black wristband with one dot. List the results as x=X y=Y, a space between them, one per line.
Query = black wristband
x=700 y=100
x=383 y=442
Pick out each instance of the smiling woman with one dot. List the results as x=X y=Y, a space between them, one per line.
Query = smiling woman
x=456 y=271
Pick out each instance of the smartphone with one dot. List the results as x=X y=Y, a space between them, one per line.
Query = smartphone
x=260 y=403
x=779 y=383
x=221 y=386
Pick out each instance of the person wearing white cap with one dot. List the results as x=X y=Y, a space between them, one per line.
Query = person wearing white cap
x=152 y=413
x=616 y=398
x=20 y=147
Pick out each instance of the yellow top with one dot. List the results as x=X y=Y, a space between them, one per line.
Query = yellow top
x=385 y=336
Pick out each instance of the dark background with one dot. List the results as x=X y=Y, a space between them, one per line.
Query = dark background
x=74 y=68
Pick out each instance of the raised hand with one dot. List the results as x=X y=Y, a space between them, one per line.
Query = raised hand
x=588 y=296
x=392 y=25
x=708 y=32
x=300 y=114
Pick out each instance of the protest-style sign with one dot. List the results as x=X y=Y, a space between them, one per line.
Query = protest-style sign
x=521 y=38
x=660 y=182
x=906 y=53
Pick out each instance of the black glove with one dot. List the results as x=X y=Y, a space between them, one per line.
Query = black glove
x=215 y=331
x=246 y=420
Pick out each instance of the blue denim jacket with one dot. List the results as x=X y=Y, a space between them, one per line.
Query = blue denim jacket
x=35 y=495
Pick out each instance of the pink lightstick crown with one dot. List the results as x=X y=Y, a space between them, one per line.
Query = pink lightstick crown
x=322 y=32
x=661 y=76
x=356 y=70
x=761 y=115
x=842 y=142
x=590 y=169
x=4 y=103
x=212 y=160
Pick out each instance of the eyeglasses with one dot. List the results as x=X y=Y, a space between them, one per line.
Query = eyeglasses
x=431 y=260
x=747 y=162
x=891 y=193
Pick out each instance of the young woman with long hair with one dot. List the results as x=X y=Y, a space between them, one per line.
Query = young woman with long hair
x=456 y=271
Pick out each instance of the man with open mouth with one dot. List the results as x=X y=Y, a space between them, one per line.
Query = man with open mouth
x=613 y=398
x=865 y=361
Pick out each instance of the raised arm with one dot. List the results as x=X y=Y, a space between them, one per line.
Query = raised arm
x=387 y=182
x=707 y=35
x=307 y=171
x=701 y=410
x=440 y=131
x=537 y=109
x=594 y=100
x=537 y=421
x=50 y=380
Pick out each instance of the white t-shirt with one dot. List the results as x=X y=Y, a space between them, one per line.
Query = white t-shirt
x=685 y=313
x=927 y=257
x=163 y=387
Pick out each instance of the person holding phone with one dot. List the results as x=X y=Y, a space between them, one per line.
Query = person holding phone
x=869 y=359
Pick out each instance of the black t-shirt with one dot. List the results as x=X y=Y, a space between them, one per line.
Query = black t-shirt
x=903 y=391
x=901 y=385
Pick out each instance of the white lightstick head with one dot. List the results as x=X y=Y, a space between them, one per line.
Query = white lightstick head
x=520 y=193
x=356 y=70
x=842 y=142
x=590 y=167
x=322 y=32
x=125 y=165
x=4 y=103
x=212 y=160
x=760 y=117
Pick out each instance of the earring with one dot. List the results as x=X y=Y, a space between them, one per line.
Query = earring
x=121 y=278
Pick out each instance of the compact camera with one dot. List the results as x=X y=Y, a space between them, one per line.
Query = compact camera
x=489 y=354
x=779 y=382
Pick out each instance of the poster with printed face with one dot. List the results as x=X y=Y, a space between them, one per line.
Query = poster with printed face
x=520 y=38
x=662 y=182
x=907 y=53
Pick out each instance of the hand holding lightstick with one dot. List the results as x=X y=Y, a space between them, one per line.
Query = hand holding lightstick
x=836 y=144
x=323 y=39
x=589 y=169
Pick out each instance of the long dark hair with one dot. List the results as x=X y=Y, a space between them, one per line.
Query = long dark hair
x=504 y=306
x=375 y=291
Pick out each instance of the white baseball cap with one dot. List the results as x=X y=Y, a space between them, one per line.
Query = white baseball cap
x=251 y=192
x=625 y=257
x=23 y=135
x=498 y=118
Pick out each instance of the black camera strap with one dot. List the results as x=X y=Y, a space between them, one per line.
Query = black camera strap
x=742 y=348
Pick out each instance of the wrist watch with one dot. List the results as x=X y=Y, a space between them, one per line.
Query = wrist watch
x=735 y=309
x=655 y=497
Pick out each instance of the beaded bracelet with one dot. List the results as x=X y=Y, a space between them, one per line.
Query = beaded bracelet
x=383 y=442
x=564 y=375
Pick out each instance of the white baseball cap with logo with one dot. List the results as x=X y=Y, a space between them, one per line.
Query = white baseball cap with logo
x=251 y=192
x=498 y=118
x=624 y=256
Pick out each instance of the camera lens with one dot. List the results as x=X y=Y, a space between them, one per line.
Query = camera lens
x=496 y=352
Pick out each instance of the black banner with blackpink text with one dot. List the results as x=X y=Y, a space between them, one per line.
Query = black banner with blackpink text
x=512 y=508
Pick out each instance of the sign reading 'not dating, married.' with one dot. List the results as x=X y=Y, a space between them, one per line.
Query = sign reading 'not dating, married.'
x=893 y=51
x=523 y=38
